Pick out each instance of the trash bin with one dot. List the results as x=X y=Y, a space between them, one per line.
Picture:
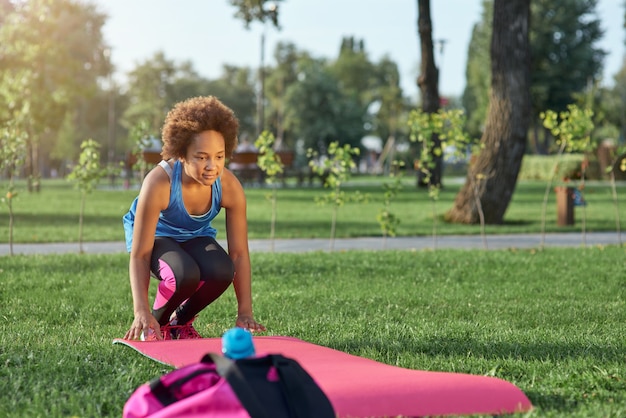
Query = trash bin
x=564 y=205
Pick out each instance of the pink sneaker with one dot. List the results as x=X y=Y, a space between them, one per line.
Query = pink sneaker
x=187 y=332
x=173 y=331
x=168 y=331
x=165 y=332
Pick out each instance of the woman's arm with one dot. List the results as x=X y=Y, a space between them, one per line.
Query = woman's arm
x=234 y=202
x=153 y=198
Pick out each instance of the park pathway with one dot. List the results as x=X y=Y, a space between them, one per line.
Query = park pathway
x=490 y=242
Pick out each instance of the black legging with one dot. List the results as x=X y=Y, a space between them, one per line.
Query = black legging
x=199 y=260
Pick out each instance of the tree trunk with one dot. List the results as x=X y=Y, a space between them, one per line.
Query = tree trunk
x=428 y=83
x=492 y=178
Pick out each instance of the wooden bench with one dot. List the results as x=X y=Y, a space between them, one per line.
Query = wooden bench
x=244 y=166
x=287 y=158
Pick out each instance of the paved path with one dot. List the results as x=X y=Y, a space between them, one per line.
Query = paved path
x=491 y=242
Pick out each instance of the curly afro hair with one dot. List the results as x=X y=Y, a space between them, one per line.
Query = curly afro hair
x=192 y=116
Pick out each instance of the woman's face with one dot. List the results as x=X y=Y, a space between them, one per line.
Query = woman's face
x=206 y=157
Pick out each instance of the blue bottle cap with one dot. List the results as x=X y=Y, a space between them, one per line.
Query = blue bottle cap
x=237 y=343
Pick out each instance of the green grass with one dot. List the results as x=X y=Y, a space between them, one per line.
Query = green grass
x=52 y=214
x=551 y=322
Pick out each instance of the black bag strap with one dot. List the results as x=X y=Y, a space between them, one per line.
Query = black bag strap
x=298 y=387
x=228 y=369
x=300 y=390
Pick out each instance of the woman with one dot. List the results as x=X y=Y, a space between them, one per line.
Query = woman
x=168 y=227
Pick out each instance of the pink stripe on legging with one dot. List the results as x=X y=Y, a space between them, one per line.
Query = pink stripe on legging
x=167 y=285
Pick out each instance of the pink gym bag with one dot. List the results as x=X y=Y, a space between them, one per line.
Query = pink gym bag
x=271 y=386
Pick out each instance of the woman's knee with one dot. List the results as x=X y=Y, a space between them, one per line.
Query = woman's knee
x=223 y=271
x=214 y=262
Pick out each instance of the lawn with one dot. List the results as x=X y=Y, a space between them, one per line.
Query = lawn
x=550 y=321
x=52 y=214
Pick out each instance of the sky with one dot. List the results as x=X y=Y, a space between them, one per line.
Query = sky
x=206 y=33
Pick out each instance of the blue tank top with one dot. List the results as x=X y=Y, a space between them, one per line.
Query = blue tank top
x=175 y=222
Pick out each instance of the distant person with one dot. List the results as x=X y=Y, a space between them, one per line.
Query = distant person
x=168 y=227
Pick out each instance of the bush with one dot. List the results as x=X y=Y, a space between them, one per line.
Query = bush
x=539 y=167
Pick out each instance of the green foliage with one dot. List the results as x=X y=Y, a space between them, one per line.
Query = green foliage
x=478 y=72
x=279 y=78
x=53 y=51
x=386 y=218
x=542 y=167
x=564 y=36
x=319 y=111
x=12 y=146
x=12 y=156
x=447 y=125
x=336 y=169
x=563 y=39
x=86 y=174
x=140 y=135
x=236 y=89
x=256 y=11
x=389 y=120
x=268 y=160
x=148 y=85
x=321 y=101
x=572 y=128
x=616 y=105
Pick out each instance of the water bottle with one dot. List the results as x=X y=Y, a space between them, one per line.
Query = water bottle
x=237 y=343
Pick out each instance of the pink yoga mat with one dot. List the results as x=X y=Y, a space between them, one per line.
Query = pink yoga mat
x=359 y=387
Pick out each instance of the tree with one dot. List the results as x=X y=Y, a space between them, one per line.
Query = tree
x=572 y=130
x=149 y=85
x=337 y=169
x=255 y=10
x=6 y=7
x=56 y=48
x=349 y=85
x=262 y=11
x=428 y=83
x=283 y=75
x=619 y=91
x=387 y=121
x=12 y=155
x=269 y=162
x=354 y=70
x=565 y=60
x=318 y=111
x=504 y=140
x=86 y=175
x=388 y=220
x=235 y=88
x=476 y=94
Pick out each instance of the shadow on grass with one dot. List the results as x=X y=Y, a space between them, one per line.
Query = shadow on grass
x=552 y=402
x=462 y=346
x=517 y=222
x=458 y=348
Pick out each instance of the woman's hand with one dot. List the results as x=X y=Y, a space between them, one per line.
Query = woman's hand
x=248 y=322
x=143 y=323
